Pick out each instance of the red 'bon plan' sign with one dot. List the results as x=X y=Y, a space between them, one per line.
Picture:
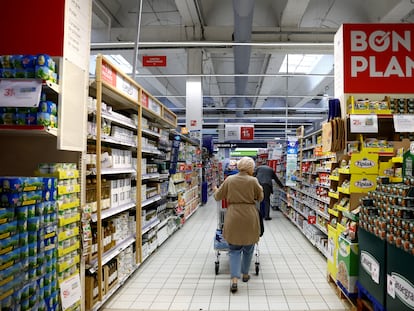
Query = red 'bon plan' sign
x=378 y=58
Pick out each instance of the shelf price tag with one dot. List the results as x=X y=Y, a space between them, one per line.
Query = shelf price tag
x=311 y=219
x=364 y=123
x=70 y=291
x=403 y=122
x=20 y=93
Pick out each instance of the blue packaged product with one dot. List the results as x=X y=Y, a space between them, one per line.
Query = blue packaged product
x=25 y=305
x=32 y=237
x=6 y=61
x=20 y=198
x=22 y=226
x=10 y=273
x=32 y=273
x=20 y=73
x=43 y=72
x=49 y=195
x=8 y=118
x=24 y=251
x=9 y=259
x=9 y=244
x=6 y=214
x=48 y=290
x=33 y=300
x=41 y=268
x=48 y=107
x=31 y=118
x=8 y=229
x=33 y=263
x=16 y=61
x=28 y=61
x=23 y=238
x=45 y=60
x=33 y=249
x=46 y=119
x=49 y=255
x=49 y=183
x=20 y=184
x=31 y=211
x=40 y=209
x=33 y=224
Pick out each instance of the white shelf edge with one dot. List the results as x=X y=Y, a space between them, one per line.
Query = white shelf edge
x=113 y=211
x=112 y=253
x=151 y=200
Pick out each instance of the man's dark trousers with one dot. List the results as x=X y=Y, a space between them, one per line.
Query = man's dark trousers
x=267 y=191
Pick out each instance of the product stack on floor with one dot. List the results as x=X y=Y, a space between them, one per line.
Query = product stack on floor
x=181 y=274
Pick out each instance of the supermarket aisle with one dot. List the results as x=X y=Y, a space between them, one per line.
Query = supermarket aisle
x=181 y=276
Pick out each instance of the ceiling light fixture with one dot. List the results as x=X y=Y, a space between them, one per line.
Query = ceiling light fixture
x=118 y=45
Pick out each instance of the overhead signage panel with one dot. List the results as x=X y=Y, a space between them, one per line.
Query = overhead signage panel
x=378 y=57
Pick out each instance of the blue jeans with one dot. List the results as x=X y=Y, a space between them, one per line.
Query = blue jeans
x=240 y=259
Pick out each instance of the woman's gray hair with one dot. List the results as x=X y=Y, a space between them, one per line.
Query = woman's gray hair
x=245 y=164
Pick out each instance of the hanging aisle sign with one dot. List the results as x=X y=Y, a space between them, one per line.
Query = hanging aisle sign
x=239 y=132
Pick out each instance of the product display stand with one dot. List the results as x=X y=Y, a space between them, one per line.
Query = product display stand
x=376 y=132
x=129 y=211
x=308 y=201
x=37 y=151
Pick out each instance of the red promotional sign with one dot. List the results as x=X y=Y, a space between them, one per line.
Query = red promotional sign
x=246 y=133
x=154 y=61
x=144 y=100
x=311 y=220
x=378 y=58
x=108 y=74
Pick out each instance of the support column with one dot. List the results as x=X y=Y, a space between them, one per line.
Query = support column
x=194 y=94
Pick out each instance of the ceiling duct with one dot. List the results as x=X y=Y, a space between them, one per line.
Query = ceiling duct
x=243 y=24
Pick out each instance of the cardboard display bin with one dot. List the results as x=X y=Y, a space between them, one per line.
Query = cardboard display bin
x=372 y=264
x=400 y=279
x=347 y=274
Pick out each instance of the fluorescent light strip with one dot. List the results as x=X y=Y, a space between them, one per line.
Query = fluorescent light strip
x=242 y=96
x=101 y=45
x=286 y=75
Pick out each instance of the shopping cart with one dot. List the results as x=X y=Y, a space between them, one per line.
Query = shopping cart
x=220 y=244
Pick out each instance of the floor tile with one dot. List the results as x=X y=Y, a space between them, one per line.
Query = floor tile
x=181 y=276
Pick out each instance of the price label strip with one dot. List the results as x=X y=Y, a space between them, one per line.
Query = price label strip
x=364 y=123
x=20 y=93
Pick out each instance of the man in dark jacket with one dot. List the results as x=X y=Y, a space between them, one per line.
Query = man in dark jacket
x=265 y=174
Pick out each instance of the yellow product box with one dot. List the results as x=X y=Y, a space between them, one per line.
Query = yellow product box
x=361 y=183
x=386 y=169
x=364 y=163
x=332 y=251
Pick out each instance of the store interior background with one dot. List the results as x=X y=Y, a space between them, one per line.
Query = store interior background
x=284 y=65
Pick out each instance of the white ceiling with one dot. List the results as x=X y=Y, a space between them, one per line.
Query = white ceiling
x=275 y=102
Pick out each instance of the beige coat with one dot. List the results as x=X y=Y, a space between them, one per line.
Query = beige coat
x=241 y=223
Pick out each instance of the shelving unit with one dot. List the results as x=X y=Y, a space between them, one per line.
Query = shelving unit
x=129 y=159
x=54 y=232
x=308 y=202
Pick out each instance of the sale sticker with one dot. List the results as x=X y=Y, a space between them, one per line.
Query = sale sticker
x=20 y=93
x=364 y=123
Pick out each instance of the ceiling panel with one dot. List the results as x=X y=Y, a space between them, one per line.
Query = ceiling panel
x=269 y=93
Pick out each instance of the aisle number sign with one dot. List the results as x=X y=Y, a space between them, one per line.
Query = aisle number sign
x=378 y=57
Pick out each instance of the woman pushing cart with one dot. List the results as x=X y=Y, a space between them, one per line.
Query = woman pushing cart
x=240 y=221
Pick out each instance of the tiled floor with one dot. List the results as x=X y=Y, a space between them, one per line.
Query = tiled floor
x=180 y=275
